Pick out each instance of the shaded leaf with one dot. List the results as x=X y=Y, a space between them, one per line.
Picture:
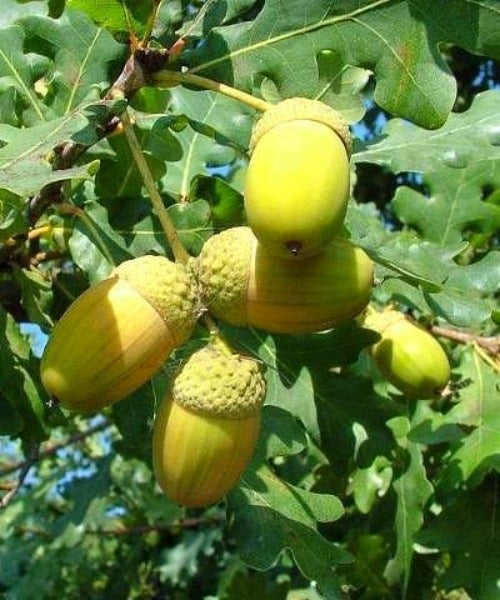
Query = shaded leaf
x=19 y=380
x=413 y=489
x=36 y=295
x=269 y=515
x=468 y=529
x=478 y=452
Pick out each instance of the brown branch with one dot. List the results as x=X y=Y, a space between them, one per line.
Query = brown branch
x=46 y=256
x=490 y=343
x=28 y=463
x=52 y=449
x=137 y=530
x=144 y=529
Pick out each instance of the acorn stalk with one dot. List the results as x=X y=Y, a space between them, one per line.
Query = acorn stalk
x=243 y=283
x=207 y=426
x=119 y=332
x=297 y=182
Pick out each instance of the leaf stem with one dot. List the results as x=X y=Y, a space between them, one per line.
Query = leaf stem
x=173 y=238
x=166 y=78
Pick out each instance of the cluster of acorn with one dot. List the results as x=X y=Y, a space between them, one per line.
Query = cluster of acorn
x=286 y=273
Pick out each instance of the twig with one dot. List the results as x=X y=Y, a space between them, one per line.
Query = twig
x=491 y=343
x=46 y=256
x=143 y=529
x=52 y=449
x=138 y=530
x=168 y=78
x=494 y=363
x=28 y=463
x=173 y=238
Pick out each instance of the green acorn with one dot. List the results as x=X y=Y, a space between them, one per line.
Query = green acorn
x=297 y=182
x=119 y=332
x=243 y=283
x=407 y=355
x=207 y=426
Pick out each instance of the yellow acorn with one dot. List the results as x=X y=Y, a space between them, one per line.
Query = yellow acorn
x=207 y=426
x=119 y=332
x=407 y=355
x=243 y=283
x=297 y=183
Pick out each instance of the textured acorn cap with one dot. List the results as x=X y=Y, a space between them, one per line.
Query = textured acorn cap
x=304 y=109
x=169 y=287
x=220 y=384
x=224 y=265
x=380 y=321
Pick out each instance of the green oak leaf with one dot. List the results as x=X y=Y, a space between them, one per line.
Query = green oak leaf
x=25 y=165
x=412 y=489
x=468 y=531
x=36 y=295
x=479 y=451
x=431 y=279
x=217 y=134
x=78 y=67
x=465 y=138
x=268 y=515
x=19 y=381
x=301 y=378
x=117 y=15
x=455 y=205
x=18 y=73
x=397 y=40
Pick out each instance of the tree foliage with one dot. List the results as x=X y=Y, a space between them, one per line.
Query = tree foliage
x=355 y=491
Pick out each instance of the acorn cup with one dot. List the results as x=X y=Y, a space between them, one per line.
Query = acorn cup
x=297 y=182
x=207 y=426
x=243 y=283
x=407 y=355
x=118 y=333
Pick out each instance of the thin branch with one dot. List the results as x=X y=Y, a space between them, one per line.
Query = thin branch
x=491 y=343
x=144 y=529
x=28 y=463
x=168 y=78
x=173 y=238
x=46 y=256
x=494 y=363
x=172 y=528
x=52 y=449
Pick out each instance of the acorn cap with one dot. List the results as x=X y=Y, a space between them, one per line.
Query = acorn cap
x=304 y=109
x=224 y=267
x=169 y=287
x=220 y=384
x=380 y=321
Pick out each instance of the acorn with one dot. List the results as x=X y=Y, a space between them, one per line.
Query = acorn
x=118 y=333
x=207 y=426
x=297 y=183
x=243 y=283
x=407 y=355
